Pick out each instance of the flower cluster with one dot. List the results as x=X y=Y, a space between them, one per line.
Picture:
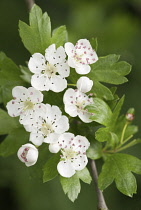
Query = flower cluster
x=46 y=123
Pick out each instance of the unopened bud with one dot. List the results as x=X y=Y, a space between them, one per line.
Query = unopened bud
x=130 y=114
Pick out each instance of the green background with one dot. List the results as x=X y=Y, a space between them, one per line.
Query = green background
x=117 y=25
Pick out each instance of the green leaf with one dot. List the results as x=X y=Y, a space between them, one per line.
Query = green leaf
x=94 y=43
x=131 y=130
x=7 y=123
x=118 y=168
x=36 y=171
x=101 y=91
x=36 y=36
x=108 y=70
x=95 y=150
x=84 y=175
x=9 y=77
x=16 y=134
x=50 y=168
x=101 y=111
x=116 y=111
x=26 y=74
x=16 y=138
x=71 y=186
x=59 y=36
x=103 y=134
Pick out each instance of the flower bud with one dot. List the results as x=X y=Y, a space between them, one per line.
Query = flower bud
x=28 y=154
x=130 y=114
x=84 y=84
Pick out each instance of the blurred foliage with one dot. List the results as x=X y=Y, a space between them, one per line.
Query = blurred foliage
x=117 y=26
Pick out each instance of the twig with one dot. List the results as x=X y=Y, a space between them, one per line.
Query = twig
x=30 y=4
x=101 y=201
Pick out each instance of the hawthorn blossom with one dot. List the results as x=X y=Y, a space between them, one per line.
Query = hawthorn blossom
x=80 y=56
x=49 y=70
x=75 y=102
x=73 y=157
x=28 y=154
x=47 y=126
x=26 y=103
x=84 y=84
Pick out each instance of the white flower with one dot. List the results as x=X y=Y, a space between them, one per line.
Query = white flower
x=28 y=154
x=80 y=56
x=48 y=126
x=49 y=71
x=84 y=84
x=75 y=102
x=26 y=103
x=73 y=156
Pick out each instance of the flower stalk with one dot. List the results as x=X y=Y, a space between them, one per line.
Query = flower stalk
x=101 y=201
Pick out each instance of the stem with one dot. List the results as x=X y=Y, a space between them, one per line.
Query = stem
x=30 y=4
x=72 y=85
x=101 y=201
x=123 y=133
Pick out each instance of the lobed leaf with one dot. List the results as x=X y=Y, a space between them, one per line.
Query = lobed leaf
x=50 y=168
x=71 y=186
x=95 y=150
x=7 y=123
x=118 y=168
x=36 y=36
x=9 y=77
x=108 y=70
x=13 y=141
x=59 y=36
x=101 y=111
x=84 y=175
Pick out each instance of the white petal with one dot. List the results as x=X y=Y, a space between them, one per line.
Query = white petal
x=65 y=140
x=84 y=84
x=54 y=56
x=36 y=138
x=58 y=84
x=84 y=116
x=13 y=108
x=26 y=117
x=53 y=113
x=20 y=151
x=81 y=144
x=69 y=48
x=39 y=110
x=80 y=161
x=20 y=93
x=71 y=110
x=60 y=53
x=61 y=125
x=35 y=95
x=37 y=63
x=40 y=82
x=54 y=148
x=63 y=69
x=32 y=156
x=83 y=69
x=72 y=62
x=69 y=96
x=52 y=138
x=28 y=128
x=65 y=169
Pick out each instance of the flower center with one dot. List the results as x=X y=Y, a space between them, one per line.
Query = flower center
x=50 y=70
x=28 y=105
x=80 y=105
x=77 y=57
x=46 y=129
x=68 y=154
